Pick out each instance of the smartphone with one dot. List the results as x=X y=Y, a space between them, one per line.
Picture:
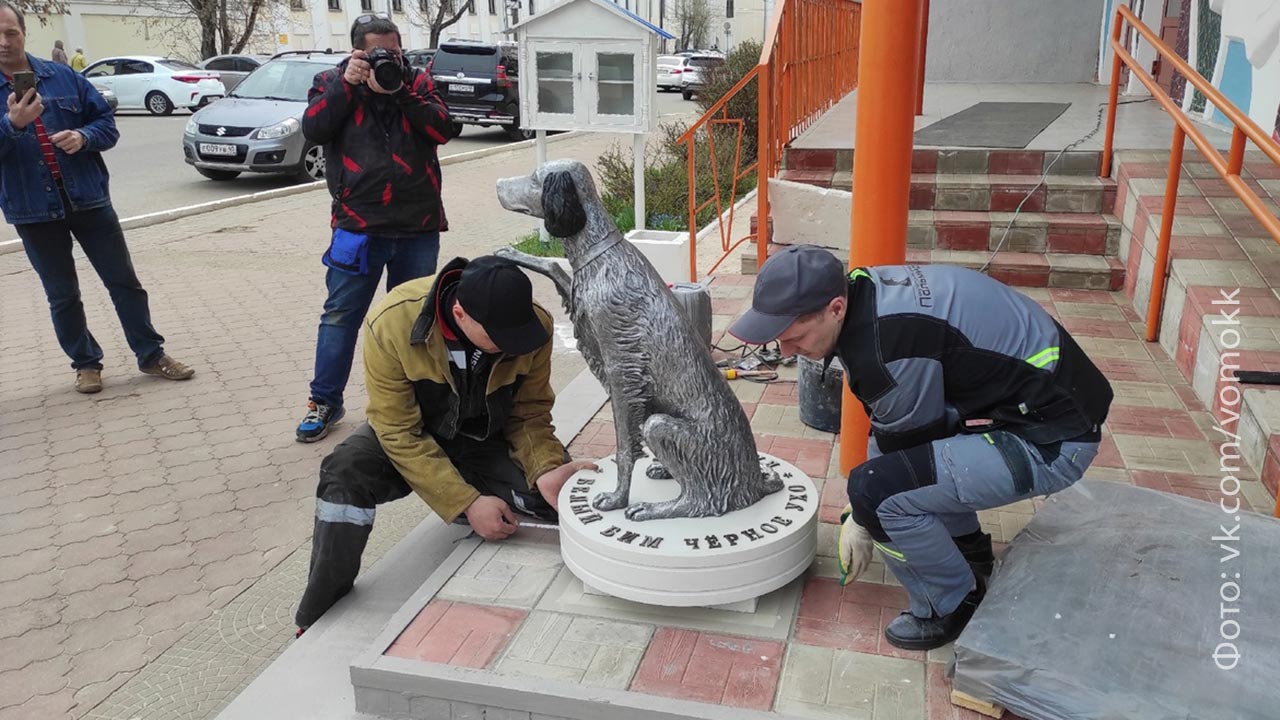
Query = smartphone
x=22 y=82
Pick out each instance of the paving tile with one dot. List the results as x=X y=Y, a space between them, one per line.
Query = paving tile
x=457 y=634
x=590 y=651
x=513 y=573
x=718 y=669
x=1167 y=454
x=837 y=684
x=1204 y=488
x=852 y=617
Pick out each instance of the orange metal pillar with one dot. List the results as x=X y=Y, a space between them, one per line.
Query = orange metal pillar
x=922 y=47
x=887 y=67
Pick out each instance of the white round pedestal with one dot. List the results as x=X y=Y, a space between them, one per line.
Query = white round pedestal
x=687 y=562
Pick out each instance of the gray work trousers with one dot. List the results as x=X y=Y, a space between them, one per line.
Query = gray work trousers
x=914 y=501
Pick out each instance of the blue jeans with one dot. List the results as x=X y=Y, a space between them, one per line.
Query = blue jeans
x=405 y=258
x=48 y=246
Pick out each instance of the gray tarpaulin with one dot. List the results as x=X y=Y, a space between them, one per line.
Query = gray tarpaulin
x=1110 y=605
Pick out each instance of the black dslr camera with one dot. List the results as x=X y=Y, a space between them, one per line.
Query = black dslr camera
x=388 y=69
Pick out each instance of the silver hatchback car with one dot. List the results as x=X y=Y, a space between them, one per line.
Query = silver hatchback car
x=258 y=126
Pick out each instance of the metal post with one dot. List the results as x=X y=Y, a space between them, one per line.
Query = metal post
x=922 y=46
x=764 y=163
x=637 y=149
x=1156 y=302
x=540 y=159
x=1112 y=98
x=882 y=165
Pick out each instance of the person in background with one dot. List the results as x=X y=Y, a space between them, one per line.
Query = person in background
x=59 y=55
x=383 y=172
x=53 y=187
x=78 y=61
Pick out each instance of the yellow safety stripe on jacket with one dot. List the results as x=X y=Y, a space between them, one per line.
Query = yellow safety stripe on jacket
x=1044 y=357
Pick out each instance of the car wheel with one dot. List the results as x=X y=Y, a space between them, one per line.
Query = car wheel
x=515 y=132
x=457 y=129
x=686 y=94
x=219 y=175
x=312 y=167
x=159 y=104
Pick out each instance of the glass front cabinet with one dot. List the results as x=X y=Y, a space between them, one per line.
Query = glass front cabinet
x=578 y=84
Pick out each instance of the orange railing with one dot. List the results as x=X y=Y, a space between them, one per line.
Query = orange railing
x=1229 y=169
x=809 y=61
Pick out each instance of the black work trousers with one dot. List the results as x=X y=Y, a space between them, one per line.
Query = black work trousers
x=358 y=476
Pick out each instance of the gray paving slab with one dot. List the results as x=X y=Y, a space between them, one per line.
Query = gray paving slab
x=831 y=684
x=587 y=651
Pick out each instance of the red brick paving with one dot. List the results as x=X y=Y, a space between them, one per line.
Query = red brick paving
x=850 y=617
x=939 y=699
x=719 y=669
x=1090 y=327
x=457 y=634
x=812 y=456
x=1198 y=488
x=1127 y=420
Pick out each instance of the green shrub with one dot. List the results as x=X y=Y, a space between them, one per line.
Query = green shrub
x=533 y=244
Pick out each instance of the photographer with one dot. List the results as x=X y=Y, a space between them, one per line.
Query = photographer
x=380 y=122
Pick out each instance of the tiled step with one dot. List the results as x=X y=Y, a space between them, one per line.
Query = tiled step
x=1020 y=269
x=966 y=161
x=1072 y=233
x=1001 y=193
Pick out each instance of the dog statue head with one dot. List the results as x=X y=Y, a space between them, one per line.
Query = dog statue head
x=560 y=192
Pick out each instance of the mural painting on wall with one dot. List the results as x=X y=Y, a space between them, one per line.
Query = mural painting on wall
x=1238 y=48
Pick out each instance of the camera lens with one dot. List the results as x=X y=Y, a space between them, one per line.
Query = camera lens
x=388 y=73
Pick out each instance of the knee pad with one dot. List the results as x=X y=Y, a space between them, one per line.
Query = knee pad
x=875 y=481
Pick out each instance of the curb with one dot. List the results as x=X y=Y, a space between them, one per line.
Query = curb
x=164 y=216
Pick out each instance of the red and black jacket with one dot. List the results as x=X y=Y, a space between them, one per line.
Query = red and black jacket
x=380 y=152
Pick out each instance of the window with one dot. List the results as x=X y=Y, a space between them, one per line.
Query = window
x=366 y=5
x=220 y=64
x=397 y=6
x=728 y=9
x=103 y=69
x=246 y=65
x=297 y=5
x=335 y=5
x=135 y=67
x=555 y=82
x=616 y=85
x=493 y=7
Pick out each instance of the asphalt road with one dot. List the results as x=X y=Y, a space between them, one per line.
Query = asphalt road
x=149 y=174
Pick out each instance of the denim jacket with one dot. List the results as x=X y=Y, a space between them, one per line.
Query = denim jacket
x=28 y=193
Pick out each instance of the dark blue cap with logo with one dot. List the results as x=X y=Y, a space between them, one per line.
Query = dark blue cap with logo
x=795 y=281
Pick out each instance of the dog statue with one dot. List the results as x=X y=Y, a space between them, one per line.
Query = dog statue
x=665 y=390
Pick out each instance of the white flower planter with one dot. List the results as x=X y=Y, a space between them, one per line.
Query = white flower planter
x=667 y=251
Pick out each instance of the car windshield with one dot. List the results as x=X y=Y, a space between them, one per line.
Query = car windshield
x=705 y=62
x=176 y=65
x=281 y=80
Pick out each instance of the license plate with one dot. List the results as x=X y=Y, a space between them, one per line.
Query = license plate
x=212 y=149
x=457 y=89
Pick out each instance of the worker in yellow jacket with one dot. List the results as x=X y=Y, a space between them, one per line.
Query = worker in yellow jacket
x=458 y=372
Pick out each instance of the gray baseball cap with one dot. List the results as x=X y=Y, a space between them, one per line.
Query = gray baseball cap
x=796 y=281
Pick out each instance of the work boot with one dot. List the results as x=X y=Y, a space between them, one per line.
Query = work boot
x=318 y=420
x=976 y=549
x=169 y=369
x=909 y=632
x=88 y=380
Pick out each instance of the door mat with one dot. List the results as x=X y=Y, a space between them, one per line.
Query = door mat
x=992 y=125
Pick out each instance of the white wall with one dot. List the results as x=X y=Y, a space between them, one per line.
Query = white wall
x=1012 y=41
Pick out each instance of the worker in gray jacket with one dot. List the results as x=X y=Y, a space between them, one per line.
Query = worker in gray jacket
x=977 y=399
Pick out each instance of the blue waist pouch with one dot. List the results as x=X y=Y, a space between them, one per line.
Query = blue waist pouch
x=348 y=252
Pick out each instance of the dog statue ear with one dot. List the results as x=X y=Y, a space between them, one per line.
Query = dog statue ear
x=562 y=211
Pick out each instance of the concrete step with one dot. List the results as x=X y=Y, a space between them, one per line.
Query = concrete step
x=1019 y=269
x=1084 y=234
x=966 y=161
x=1001 y=193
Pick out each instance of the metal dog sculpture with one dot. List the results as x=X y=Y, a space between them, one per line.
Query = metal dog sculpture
x=665 y=390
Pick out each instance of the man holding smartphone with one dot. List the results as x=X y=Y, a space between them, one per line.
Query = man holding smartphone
x=53 y=186
x=380 y=121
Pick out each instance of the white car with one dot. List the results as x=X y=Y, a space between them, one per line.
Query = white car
x=670 y=68
x=156 y=84
x=694 y=71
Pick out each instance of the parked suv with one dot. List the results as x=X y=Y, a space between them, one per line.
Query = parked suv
x=258 y=126
x=480 y=83
x=694 y=72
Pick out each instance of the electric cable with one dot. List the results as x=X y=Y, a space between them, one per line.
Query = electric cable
x=1018 y=210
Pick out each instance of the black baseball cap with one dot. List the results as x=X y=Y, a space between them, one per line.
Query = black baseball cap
x=496 y=294
x=795 y=281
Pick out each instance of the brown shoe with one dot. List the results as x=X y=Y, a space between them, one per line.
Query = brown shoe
x=88 y=380
x=169 y=369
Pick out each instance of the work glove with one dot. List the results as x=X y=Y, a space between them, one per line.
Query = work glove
x=855 y=547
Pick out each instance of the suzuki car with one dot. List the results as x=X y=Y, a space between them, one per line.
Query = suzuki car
x=258 y=126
